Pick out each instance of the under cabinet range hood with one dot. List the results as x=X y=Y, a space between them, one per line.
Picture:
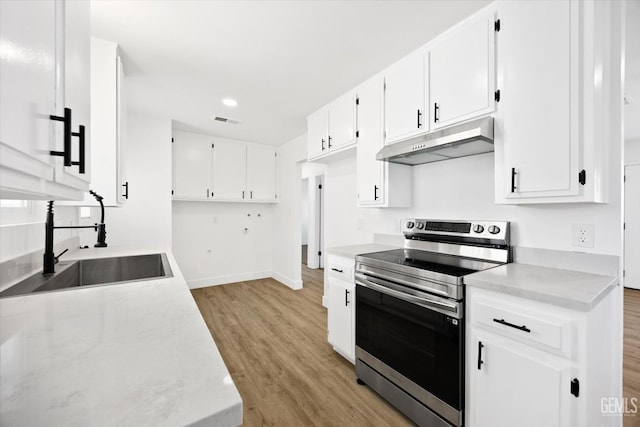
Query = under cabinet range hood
x=466 y=139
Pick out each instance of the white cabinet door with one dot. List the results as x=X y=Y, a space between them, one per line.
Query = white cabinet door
x=340 y=316
x=229 y=171
x=370 y=172
x=317 y=128
x=27 y=85
x=122 y=185
x=74 y=91
x=509 y=379
x=191 y=166
x=404 y=98
x=461 y=73
x=537 y=125
x=261 y=173
x=342 y=122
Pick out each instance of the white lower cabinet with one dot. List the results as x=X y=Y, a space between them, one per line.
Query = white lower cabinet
x=341 y=305
x=531 y=364
x=510 y=379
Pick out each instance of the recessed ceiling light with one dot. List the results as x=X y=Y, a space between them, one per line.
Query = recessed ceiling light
x=230 y=102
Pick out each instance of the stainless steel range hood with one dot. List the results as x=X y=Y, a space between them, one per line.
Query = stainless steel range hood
x=466 y=139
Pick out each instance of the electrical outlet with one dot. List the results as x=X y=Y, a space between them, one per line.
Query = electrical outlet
x=583 y=235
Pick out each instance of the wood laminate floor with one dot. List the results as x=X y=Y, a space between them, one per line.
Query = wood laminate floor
x=274 y=343
x=631 y=368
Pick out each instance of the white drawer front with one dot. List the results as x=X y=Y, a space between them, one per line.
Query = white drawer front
x=550 y=332
x=341 y=268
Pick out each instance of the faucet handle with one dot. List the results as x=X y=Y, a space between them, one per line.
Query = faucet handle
x=55 y=258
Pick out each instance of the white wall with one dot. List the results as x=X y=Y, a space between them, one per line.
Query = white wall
x=145 y=219
x=463 y=189
x=212 y=247
x=304 y=211
x=286 y=262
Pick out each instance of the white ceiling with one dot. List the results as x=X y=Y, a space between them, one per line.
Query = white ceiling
x=280 y=60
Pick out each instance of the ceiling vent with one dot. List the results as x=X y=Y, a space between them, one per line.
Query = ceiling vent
x=226 y=120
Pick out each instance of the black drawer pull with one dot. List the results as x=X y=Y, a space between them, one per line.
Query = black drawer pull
x=126 y=190
x=436 y=113
x=511 y=325
x=480 y=362
x=419 y=119
x=513 y=180
x=346 y=297
x=375 y=192
x=337 y=269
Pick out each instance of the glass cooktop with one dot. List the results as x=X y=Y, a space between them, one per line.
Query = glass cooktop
x=430 y=261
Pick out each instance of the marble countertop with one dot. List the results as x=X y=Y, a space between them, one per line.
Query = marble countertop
x=353 y=250
x=569 y=289
x=127 y=354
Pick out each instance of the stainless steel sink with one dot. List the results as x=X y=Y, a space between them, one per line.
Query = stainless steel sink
x=92 y=272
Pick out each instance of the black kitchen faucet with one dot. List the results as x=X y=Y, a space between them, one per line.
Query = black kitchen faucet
x=50 y=259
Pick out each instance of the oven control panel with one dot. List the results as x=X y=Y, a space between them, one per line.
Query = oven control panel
x=495 y=230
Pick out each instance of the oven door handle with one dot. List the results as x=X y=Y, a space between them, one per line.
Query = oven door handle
x=363 y=280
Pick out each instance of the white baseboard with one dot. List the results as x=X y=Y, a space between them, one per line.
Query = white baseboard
x=293 y=284
x=232 y=278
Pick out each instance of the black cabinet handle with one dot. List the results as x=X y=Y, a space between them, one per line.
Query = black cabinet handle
x=346 y=297
x=513 y=180
x=436 y=112
x=375 y=192
x=243 y=194
x=81 y=145
x=66 y=119
x=337 y=269
x=329 y=140
x=207 y=193
x=251 y=194
x=419 y=119
x=126 y=190
x=480 y=362
x=575 y=387
x=322 y=144
x=511 y=325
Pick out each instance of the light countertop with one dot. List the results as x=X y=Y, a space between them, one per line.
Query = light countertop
x=569 y=289
x=353 y=250
x=128 y=354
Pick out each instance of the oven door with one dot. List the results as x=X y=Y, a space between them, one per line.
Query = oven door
x=412 y=341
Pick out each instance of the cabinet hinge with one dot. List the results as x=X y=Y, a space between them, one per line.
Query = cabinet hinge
x=357 y=134
x=357 y=101
x=276 y=196
x=496 y=95
x=496 y=25
x=275 y=154
x=582 y=177
x=575 y=387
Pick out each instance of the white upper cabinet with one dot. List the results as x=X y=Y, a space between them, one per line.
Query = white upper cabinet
x=192 y=156
x=332 y=129
x=207 y=168
x=342 y=122
x=405 y=95
x=74 y=93
x=261 y=173
x=33 y=86
x=317 y=129
x=461 y=72
x=380 y=184
x=551 y=130
x=229 y=171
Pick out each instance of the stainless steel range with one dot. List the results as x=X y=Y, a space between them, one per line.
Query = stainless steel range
x=409 y=310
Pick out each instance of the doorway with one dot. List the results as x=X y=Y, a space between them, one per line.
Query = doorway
x=312 y=215
x=632 y=226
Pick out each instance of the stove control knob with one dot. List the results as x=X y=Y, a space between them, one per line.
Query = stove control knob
x=494 y=229
x=478 y=228
x=410 y=224
x=420 y=225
